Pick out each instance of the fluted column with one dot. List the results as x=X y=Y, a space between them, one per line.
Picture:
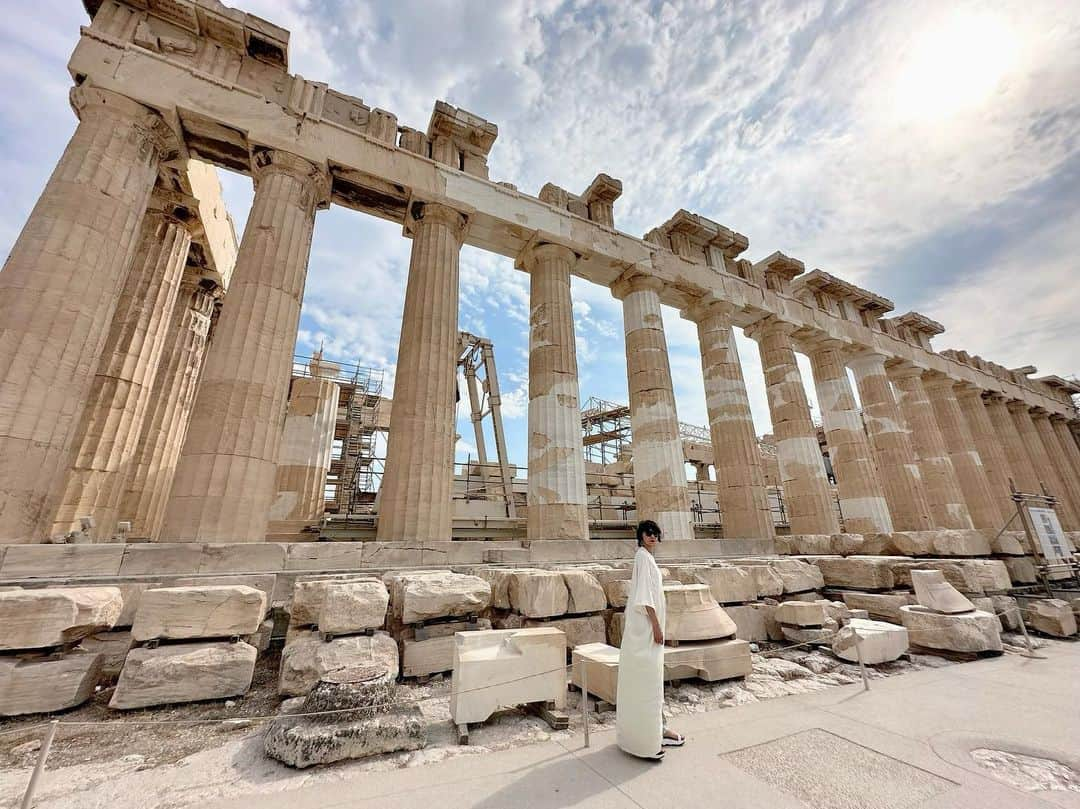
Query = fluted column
x=807 y=498
x=990 y=447
x=659 y=467
x=947 y=506
x=963 y=452
x=740 y=481
x=224 y=483
x=108 y=434
x=169 y=411
x=1020 y=468
x=1031 y=445
x=862 y=497
x=1068 y=483
x=415 y=500
x=58 y=291
x=557 y=504
x=1068 y=443
x=306 y=445
x=890 y=439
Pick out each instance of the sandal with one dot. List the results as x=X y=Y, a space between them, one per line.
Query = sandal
x=678 y=741
x=658 y=757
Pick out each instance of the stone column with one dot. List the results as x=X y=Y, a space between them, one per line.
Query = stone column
x=108 y=434
x=807 y=499
x=1031 y=444
x=963 y=452
x=862 y=497
x=169 y=412
x=415 y=500
x=990 y=447
x=557 y=504
x=1069 y=496
x=947 y=506
x=224 y=483
x=1068 y=443
x=58 y=290
x=740 y=481
x=306 y=445
x=659 y=468
x=1020 y=468
x=890 y=439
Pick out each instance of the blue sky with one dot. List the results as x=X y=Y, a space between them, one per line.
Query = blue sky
x=929 y=151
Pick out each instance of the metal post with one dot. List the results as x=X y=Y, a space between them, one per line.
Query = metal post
x=585 y=698
x=39 y=768
x=862 y=666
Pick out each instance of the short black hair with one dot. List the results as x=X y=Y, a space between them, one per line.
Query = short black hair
x=648 y=527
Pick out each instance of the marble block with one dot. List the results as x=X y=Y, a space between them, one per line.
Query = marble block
x=880 y=606
x=801 y=613
x=29 y=685
x=37 y=619
x=708 y=660
x=729 y=584
x=933 y=592
x=502 y=668
x=880 y=642
x=602 y=664
x=307 y=657
x=539 y=593
x=586 y=594
x=353 y=607
x=1051 y=616
x=308 y=596
x=425 y=595
x=971 y=632
x=798 y=576
x=180 y=613
x=750 y=621
x=184 y=672
x=583 y=629
x=857 y=572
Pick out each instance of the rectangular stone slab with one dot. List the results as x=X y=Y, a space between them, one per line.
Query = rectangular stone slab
x=539 y=594
x=602 y=663
x=750 y=621
x=37 y=619
x=880 y=606
x=426 y=595
x=46 y=685
x=181 y=613
x=970 y=632
x=583 y=629
x=184 y=672
x=858 y=572
x=729 y=584
x=586 y=594
x=350 y=607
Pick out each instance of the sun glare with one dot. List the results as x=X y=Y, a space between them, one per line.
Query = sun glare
x=954 y=66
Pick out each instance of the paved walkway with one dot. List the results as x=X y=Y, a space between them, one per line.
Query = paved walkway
x=903 y=745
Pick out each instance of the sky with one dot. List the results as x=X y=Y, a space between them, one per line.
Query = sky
x=928 y=151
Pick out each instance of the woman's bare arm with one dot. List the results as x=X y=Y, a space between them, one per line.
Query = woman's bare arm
x=657 y=632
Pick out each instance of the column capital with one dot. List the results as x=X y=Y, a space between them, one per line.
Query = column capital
x=707 y=307
x=902 y=369
x=436 y=213
x=634 y=280
x=1039 y=413
x=176 y=207
x=937 y=381
x=767 y=326
x=866 y=358
x=816 y=343
x=535 y=252
x=266 y=162
x=88 y=101
x=1017 y=406
x=967 y=390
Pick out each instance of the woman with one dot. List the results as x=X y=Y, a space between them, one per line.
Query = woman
x=640 y=696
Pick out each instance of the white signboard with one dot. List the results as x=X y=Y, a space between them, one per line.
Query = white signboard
x=1048 y=530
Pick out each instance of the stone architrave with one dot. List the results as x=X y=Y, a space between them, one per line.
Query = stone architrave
x=224 y=483
x=890 y=439
x=947 y=506
x=862 y=497
x=807 y=499
x=108 y=434
x=557 y=503
x=1070 y=482
x=415 y=499
x=1020 y=469
x=169 y=411
x=58 y=291
x=933 y=592
x=306 y=446
x=659 y=471
x=740 y=489
x=963 y=452
x=990 y=447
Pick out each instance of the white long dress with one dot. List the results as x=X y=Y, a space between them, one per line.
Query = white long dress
x=640 y=697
